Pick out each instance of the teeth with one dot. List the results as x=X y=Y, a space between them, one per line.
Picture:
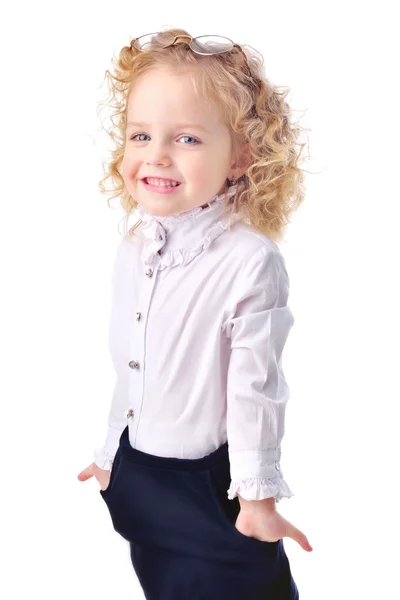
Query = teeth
x=161 y=182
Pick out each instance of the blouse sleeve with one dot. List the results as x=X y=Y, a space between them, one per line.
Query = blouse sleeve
x=257 y=392
x=116 y=422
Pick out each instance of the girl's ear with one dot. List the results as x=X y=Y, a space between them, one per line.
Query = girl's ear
x=243 y=161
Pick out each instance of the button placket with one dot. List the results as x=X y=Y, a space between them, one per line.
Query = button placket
x=137 y=348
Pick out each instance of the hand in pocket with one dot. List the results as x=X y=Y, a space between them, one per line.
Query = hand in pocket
x=102 y=475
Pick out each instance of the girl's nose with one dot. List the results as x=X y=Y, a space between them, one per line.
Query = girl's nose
x=158 y=156
x=158 y=161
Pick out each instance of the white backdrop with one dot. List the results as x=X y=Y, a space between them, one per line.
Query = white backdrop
x=58 y=239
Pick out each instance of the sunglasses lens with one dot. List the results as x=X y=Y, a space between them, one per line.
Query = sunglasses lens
x=154 y=40
x=211 y=44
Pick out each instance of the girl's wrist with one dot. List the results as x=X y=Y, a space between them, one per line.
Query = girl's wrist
x=267 y=504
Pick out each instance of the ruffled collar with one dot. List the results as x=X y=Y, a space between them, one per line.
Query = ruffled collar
x=180 y=238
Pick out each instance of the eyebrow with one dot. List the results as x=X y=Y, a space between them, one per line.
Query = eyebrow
x=178 y=125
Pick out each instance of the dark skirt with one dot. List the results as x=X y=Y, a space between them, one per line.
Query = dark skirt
x=180 y=525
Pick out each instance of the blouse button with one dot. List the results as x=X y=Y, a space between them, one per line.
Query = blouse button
x=138 y=315
x=149 y=273
x=277 y=467
x=133 y=364
x=129 y=413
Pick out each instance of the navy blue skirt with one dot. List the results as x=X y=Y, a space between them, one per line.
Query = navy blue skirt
x=180 y=525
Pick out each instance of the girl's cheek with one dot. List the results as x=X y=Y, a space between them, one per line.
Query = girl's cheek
x=129 y=170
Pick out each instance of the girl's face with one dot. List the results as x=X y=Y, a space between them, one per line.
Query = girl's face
x=171 y=135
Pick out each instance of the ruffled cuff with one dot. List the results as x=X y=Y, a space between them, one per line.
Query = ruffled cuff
x=104 y=455
x=259 y=489
x=103 y=459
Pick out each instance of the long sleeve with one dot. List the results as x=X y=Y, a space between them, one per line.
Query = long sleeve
x=257 y=392
x=104 y=455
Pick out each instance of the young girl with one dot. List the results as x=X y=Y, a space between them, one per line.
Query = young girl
x=190 y=467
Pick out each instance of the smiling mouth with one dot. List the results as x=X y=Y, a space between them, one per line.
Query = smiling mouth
x=159 y=189
x=161 y=182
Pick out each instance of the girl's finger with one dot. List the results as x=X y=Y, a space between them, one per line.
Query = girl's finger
x=86 y=474
x=298 y=536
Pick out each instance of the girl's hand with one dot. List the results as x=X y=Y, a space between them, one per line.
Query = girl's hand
x=267 y=525
x=102 y=475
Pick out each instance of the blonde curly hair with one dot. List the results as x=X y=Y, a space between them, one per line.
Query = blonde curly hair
x=255 y=111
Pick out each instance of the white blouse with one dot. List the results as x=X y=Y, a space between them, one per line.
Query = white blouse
x=198 y=323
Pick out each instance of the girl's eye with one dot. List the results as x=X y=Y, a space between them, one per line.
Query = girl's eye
x=137 y=135
x=190 y=138
x=183 y=136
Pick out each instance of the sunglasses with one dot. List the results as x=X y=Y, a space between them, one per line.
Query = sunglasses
x=204 y=44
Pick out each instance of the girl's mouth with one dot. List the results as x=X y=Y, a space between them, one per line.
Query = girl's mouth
x=160 y=188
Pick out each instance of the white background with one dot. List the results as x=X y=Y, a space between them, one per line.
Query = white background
x=58 y=237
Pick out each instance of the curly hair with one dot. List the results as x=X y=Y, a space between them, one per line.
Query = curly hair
x=253 y=108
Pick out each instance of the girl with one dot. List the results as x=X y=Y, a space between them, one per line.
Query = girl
x=190 y=466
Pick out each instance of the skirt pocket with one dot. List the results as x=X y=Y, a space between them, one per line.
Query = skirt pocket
x=229 y=509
